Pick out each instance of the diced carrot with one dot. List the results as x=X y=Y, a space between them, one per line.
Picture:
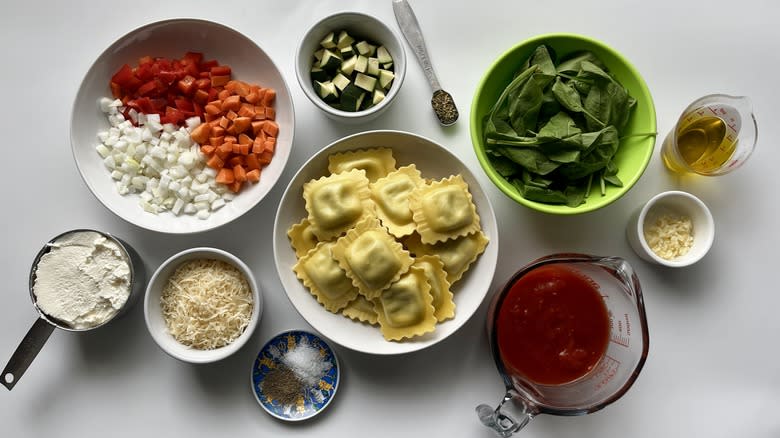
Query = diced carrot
x=235 y=187
x=271 y=128
x=252 y=97
x=244 y=149
x=212 y=109
x=261 y=95
x=208 y=149
x=216 y=141
x=231 y=130
x=270 y=145
x=231 y=115
x=220 y=70
x=231 y=139
x=270 y=113
x=210 y=118
x=224 y=122
x=265 y=157
x=258 y=145
x=223 y=154
x=216 y=102
x=259 y=112
x=257 y=126
x=217 y=131
x=242 y=88
x=239 y=173
x=216 y=81
x=201 y=133
x=253 y=175
x=224 y=94
x=236 y=160
x=226 y=147
x=231 y=103
x=269 y=97
x=244 y=139
x=247 y=110
x=236 y=148
x=225 y=176
x=242 y=124
x=200 y=97
x=215 y=162
x=251 y=162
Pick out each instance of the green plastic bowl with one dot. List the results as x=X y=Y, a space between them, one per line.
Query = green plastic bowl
x=634 y=152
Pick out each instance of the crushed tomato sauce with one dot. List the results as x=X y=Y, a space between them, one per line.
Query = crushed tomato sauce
x=553 y=326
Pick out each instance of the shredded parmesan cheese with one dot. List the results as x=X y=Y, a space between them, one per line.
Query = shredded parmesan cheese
x=206 y=304
x=670 y=236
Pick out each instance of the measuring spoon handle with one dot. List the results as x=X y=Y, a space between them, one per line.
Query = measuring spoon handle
x=25 y=353
x=407 y=21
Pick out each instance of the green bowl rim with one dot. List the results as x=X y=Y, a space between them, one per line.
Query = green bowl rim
x=555 y=208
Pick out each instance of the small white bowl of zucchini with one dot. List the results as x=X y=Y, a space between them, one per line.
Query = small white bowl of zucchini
x=351 y=66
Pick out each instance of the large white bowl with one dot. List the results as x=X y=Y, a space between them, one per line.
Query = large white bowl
x=153 y=309
x=434 y=161
x=172 y=38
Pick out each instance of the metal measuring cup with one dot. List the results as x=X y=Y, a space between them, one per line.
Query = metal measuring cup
x=43 y=327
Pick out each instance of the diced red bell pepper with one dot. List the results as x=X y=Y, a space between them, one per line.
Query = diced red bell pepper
x=126 y=79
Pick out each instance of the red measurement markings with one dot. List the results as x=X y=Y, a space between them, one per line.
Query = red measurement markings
x=606 y=371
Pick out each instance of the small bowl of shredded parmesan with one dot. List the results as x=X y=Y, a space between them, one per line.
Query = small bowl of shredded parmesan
x=673 y=229
x=202 y=305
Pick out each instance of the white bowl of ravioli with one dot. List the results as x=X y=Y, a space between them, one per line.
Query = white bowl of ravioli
x=365 y=203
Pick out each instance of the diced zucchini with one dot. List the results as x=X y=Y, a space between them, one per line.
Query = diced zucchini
x=318 y=74
x=330 y=60
x=385 y=78
x=326 y=90
x=344 y=40
x=362 y=64
x=351 y=98
x=348 y=66
x=377 y=96
x=383 y=55
x=329 y=41
x=340 y=81
x=365 y=82
x=373 y=67
x=387 y=66
x=318 y=54
x=365 y=48
x=347 y=52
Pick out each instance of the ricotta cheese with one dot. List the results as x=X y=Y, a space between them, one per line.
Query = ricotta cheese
x=83 y=280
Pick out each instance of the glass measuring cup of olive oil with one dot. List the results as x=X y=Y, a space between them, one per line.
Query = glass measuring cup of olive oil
x=569 y=336
x=714 y=135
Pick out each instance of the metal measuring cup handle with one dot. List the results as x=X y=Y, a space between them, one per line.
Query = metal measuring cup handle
x=26 y=351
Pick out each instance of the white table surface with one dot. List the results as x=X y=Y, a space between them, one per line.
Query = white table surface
x=713 y=364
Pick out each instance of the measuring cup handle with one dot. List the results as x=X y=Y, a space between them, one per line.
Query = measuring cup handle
x=26 y=352
x=504 y=424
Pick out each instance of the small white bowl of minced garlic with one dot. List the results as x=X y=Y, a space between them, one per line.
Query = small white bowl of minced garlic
x=672 y=229
x=202 y=305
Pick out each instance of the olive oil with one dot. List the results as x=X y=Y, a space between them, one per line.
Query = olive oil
x=704 y=143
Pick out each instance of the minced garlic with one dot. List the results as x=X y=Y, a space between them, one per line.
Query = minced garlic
x=670 y=236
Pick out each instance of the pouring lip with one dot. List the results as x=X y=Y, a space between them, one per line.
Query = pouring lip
x=532 y=398
x=62 y=325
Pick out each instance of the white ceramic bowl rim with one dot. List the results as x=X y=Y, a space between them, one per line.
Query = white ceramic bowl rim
x=305 y=82
x=191 y=355
x=706 y=238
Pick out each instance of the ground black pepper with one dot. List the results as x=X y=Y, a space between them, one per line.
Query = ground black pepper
x=283 y=385
x=444 y=107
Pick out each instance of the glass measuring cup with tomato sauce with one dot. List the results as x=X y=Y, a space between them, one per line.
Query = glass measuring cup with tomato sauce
x=569 y=336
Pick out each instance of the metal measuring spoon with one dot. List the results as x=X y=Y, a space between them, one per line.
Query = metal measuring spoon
x=44 y=326
x=442 y=102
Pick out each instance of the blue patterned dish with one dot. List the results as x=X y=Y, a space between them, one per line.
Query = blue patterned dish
x=313 y=399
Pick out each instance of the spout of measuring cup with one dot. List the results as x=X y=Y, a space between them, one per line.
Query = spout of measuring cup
x=506 y=419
